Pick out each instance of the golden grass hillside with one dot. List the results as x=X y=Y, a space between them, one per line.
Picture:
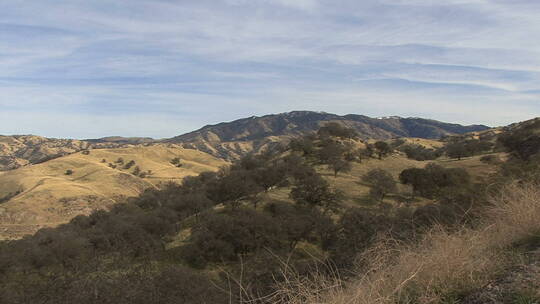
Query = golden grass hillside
x=48 y=196
x=356 y=192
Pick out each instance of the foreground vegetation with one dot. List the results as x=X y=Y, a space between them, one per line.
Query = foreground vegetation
x=230 y=236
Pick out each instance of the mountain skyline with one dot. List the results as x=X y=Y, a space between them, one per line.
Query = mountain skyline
x=82 y=69
x=315 y=118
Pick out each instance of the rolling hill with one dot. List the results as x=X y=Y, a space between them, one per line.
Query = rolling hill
x=20 y=150
x=46 y=194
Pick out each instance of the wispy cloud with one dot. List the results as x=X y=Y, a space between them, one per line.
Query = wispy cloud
x=177 y=65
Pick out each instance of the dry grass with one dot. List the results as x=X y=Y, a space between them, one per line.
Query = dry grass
x=50 y=197
x=442 y=264
x=478 y=169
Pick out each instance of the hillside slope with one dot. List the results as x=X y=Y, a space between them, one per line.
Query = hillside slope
x=20 y=150
x=49 y=197
x=231 y=139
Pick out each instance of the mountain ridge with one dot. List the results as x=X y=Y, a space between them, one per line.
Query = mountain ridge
x=233 y=139
x=229 y=139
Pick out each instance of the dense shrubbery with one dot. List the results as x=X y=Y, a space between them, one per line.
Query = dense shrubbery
x=434 y=180
x=523 y=145
x=420 y=153
x=334 y=129
x=459 y=148
x=381 y=183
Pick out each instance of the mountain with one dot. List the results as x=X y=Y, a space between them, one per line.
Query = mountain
x=232 y=139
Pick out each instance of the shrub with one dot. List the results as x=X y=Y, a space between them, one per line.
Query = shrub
x=10 y=196
x=381 y=183
x=491 y=159
x=337 y=130
x=315 y=192
x=420 y=153
x=382 y=148
x=130 y=164
x=69 y=172
x=226 y=236
x=433 y=180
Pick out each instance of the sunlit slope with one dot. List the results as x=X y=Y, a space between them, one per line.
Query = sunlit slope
x=49 y=196
x=356 y=192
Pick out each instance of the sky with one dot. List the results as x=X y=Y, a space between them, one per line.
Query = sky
x=160 y=68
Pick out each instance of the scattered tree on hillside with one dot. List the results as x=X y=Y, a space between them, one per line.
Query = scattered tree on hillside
x=10 y=196
x=234 y=186
x=300 y=223
x=339 y=164
x=270 y=176
x=475 y=146
x=329 y=149
x=303 y=144
x=336 y=155
x=382 y=148
x=367 y=152
x=176 y=162
x=433 y=180
x=456 y=150
x=137 y=171
x=68 y=172
x=459 y=148
x=381 y=182
x=523 y=142
x=120 y=161
x=396 y=143
x=314 y=191
x=130 y=164
x=491 y=159
x=336 y=130
x=418 y=179
x=420 y=153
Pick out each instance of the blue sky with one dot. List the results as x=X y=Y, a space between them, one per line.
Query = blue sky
x=159 y=68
